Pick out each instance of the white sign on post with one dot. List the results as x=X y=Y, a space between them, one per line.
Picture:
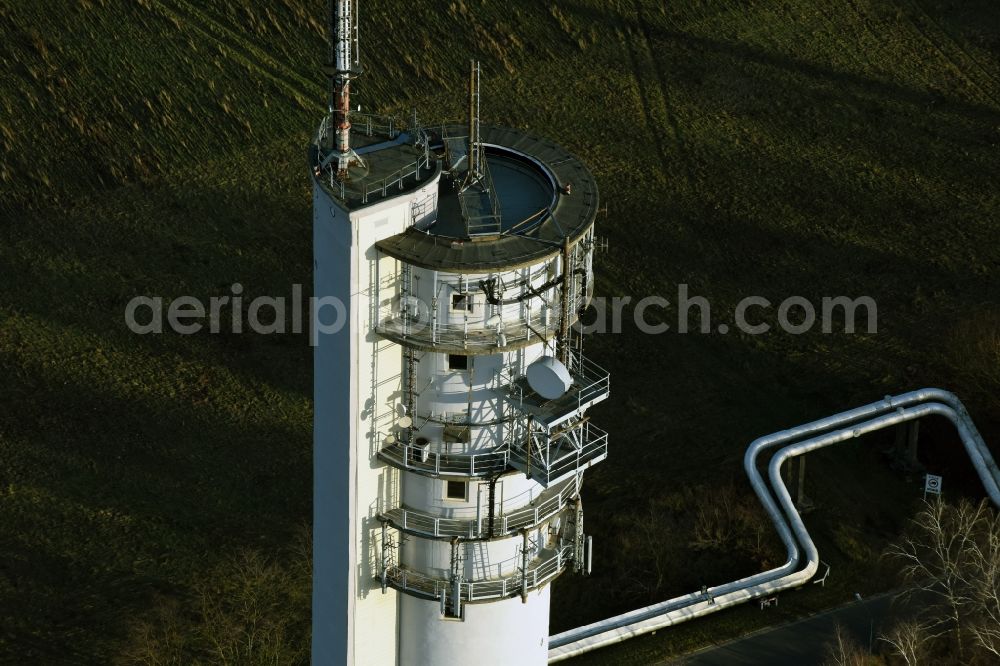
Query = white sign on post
x=932 y=485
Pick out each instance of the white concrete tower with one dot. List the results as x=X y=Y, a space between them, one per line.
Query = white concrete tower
x=450 y=388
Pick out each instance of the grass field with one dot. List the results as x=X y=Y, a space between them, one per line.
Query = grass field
x=743 y=148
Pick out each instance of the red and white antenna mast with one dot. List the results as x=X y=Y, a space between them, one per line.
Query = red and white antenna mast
x=343 y=67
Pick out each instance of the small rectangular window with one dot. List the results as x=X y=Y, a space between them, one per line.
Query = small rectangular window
x=462 y=302
x=458 y=362
x=457 y=490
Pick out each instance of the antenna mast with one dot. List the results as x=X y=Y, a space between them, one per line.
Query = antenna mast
x=475 y=172
x=343 y=67
x=475 y=141
x=480 y=205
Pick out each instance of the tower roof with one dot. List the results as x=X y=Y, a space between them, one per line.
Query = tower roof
x=548 y=198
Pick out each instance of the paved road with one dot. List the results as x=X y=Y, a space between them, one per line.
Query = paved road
x=800 y=643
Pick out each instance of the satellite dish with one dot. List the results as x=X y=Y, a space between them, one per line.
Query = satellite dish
x=495 y=320
x=389 y=440
x=549 y=378
x=405 y=422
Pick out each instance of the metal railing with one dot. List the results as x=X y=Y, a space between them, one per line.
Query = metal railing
x=424 y=524
x=488 y=222
x=591 y=383
x=368 y=124
x=374 y=124
x=594 y=381
x=537 y=325
x=431 y=463
x=381 y=187
x=548 y=469
x=462 y=419
x=433 y=324
x=540 y=571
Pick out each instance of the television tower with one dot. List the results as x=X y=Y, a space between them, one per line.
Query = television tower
x=451 y=389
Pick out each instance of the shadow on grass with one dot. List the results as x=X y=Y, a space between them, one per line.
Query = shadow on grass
x=686 y=418
x=740 y=52
x=81 y=267
x=111 y=500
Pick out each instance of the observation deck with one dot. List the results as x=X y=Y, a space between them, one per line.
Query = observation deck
x=421 y=460
x=547 y=198
x=425 y=330
x=423 y=524
x=549 y=563
x=591 y=385
x=469 y=339
x=393 y=163
x=549 y=459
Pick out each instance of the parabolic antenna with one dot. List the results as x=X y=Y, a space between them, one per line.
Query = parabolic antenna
x=405 y=421
x=549 y=378
x=389 y=440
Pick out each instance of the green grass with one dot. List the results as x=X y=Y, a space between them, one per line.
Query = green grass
x=742 y=148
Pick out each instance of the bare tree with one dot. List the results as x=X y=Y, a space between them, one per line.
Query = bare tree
x=985 y=565
x=952 y=553
x=246 y=620
x=653 y=535
x=252 y=609
x=161 y=640
x=909 y=639
x=936 y=557
x=728 y=520
x=716 y=522
x=843 y=650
